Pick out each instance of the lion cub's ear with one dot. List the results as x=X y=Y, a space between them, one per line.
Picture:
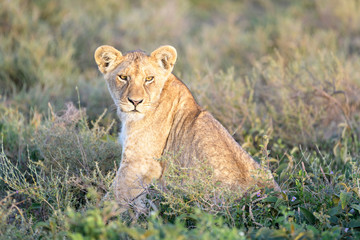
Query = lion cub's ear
x=165 y=56
x=106 y=58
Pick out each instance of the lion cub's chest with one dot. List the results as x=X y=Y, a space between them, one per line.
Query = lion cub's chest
x=122 y=136
x=127 y=128
x=142 y=139
x=129 y=136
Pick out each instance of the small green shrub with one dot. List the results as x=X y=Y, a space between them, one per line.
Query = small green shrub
x=94 y=224
x=16 y=134
x=67 y=142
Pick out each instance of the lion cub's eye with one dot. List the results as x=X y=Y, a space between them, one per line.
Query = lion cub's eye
x=122 y=77
x=149 y=79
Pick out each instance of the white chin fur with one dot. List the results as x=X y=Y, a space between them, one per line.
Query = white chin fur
x=130 y=116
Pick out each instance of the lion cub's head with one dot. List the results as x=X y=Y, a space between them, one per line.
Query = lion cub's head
x=135 y=80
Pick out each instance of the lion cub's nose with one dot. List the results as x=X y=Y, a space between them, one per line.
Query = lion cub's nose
x=135 y=102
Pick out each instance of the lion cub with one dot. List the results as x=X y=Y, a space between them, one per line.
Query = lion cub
x=159 y=115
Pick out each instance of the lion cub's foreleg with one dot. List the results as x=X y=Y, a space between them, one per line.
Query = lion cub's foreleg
x=132 y=178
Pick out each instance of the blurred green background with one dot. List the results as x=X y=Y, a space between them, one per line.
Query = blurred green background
x=292 y=63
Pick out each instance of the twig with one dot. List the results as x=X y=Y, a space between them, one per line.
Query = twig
x=307 y=175
x=322 y=171
x=252 y=217
x=243 y=215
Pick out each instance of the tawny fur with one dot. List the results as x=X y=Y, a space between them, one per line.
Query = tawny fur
x=166 y=119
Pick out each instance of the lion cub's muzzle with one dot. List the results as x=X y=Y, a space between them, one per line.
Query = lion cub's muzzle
x=135 y=102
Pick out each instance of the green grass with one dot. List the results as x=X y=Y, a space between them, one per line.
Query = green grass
x=281 y=76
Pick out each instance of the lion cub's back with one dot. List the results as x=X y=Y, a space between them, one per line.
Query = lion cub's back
x=196 y=134
x=212 y=142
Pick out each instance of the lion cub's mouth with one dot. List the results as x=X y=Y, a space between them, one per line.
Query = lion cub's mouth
x=127 y=110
